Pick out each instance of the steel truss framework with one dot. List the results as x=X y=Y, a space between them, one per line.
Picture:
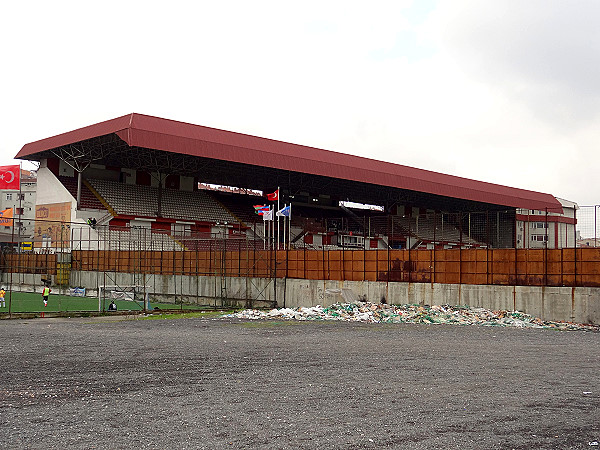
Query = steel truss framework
x=112 y=151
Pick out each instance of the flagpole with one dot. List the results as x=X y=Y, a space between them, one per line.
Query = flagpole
x=20 y=205
x=278 y=208
x=290 y=227
x=284 y=233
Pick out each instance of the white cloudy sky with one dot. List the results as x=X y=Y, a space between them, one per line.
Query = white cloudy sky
x=505 y=91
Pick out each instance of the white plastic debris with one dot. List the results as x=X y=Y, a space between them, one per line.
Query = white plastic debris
x=436 y=314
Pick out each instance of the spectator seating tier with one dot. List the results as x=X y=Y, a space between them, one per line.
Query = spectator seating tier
x=88 y=199
x=142 y=201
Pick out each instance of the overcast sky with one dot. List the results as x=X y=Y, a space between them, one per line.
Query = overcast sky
x=501 y=91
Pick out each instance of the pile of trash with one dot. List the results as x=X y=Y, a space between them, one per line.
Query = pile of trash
x=437 y=314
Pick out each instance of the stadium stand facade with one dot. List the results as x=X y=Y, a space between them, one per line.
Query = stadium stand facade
x=140 y=171
x=170 y=206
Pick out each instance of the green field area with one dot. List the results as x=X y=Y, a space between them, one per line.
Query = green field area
x=32 y=302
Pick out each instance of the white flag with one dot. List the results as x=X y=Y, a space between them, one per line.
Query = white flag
x=268 y=215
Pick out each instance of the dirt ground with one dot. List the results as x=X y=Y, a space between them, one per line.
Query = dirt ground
x=206 y=383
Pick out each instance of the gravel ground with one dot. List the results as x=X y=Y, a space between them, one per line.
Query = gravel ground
x=228 y=383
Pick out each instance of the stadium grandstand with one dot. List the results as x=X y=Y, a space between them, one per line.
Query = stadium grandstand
x=182 y=185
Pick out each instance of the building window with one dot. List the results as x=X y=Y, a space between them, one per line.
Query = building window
x=539 y=225
x=8 y=196
x=19 y=211
x=539 y=238
x=21 y=196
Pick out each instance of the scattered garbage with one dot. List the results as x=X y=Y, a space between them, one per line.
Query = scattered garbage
x=437 y=314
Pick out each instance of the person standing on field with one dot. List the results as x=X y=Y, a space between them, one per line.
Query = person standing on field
x=45 y=294
x=2 y=294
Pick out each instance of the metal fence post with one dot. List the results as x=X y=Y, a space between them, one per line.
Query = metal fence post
x=10 y=288
x=575 y=249
x=460 y=248
x=546 y=249
x=595 y=226
x=432 y=256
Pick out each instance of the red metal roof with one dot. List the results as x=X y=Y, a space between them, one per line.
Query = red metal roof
x=168 y=135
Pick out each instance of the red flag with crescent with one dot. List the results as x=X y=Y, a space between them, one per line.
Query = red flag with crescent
x=10 y=177
x=274 y=196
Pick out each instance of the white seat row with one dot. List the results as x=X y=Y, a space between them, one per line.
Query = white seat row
x=142 y=201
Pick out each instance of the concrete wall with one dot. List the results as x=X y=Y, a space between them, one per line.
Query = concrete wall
x=53 y=191
x=580 y=304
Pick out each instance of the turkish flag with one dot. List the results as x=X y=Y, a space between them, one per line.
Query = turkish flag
x=274 y=196
x=10 y=177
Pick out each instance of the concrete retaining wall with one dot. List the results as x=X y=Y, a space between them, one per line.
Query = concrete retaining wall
x=580 y=304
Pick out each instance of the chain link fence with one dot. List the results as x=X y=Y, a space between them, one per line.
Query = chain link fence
x=588 y=226
x=88 y=265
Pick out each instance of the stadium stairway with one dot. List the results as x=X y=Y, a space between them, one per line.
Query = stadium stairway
x=428 y=229
x=358 y=221
x=89 y=198
x=100 y=199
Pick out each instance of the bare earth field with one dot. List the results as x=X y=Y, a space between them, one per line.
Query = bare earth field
x=206 y=383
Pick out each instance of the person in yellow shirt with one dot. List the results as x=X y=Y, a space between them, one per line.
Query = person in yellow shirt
x=45 y=294
x=2 y=294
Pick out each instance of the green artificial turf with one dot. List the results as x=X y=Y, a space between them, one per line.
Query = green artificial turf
x=32 y=302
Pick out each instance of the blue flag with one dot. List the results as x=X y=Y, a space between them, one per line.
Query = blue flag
x=283 y=212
